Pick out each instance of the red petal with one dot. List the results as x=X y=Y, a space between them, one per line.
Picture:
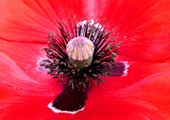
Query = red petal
x=109 y=100
x=142 y=26
x=18 y=69
x=146 y=99
x=31 y=21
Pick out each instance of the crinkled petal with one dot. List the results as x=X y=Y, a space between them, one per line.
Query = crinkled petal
x=32 y=20
x=115 y=98
x=141 y=26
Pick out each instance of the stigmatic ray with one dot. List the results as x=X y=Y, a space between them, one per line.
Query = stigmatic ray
x=78 y=55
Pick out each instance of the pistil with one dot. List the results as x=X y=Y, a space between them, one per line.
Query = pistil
x=80 y=51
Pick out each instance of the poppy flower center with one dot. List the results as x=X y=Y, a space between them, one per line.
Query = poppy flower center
x=80 y=54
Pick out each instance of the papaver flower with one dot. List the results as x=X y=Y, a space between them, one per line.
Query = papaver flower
x=142 y=28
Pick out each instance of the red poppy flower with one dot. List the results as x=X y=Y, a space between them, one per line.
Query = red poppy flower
x=142 y=27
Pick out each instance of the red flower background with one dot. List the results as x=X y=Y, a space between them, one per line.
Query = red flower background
x=143 y=27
